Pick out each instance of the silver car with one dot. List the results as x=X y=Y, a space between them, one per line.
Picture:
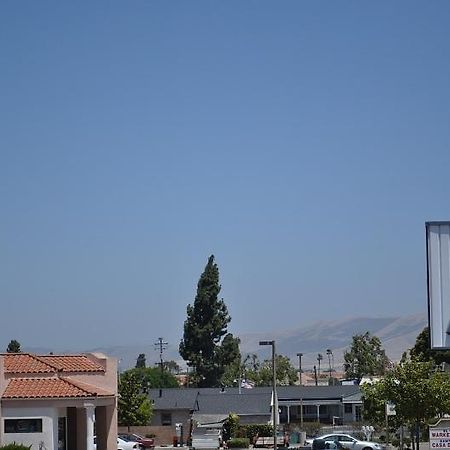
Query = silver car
x=337 y=440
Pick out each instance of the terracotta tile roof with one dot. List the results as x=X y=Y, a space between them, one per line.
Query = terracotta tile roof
x=72 y=363
x=21 y=388
x=27 y=363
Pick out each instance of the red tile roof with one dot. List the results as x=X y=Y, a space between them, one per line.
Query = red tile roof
x=72 y=363
x=25 y=363
x=21 y=388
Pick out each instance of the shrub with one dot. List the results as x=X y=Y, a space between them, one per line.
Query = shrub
x=239 y=443
x=15 y=446
x=231 y=427
x=252 y=430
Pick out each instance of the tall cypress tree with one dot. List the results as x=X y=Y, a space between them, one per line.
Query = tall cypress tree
x=204 y=328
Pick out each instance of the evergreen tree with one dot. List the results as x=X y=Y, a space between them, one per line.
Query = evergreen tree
x=134 y=407
x=365 y=357
x=140 y=362
x=13 y=347
x=204 y=329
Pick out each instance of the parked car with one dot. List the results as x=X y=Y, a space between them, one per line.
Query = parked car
x=144 y=441
x=336 y=440
x=122 y=444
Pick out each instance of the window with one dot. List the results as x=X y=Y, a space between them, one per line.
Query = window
x=344 y=438
x=348 y=408
x=166 y=419
x=23 y=425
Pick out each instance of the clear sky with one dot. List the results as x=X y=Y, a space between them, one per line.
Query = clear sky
x=303 y=143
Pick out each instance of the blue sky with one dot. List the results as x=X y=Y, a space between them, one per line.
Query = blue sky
x=303 y=143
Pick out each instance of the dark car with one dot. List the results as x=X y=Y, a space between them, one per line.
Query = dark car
x=143 y=441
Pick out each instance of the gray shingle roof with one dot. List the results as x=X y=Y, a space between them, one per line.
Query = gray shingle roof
x=256 y=400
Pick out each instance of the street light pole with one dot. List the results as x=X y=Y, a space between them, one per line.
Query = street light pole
x=329 y=353
x=300 y=366
x=274 y=392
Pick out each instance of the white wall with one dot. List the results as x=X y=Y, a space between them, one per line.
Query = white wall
x=49 y=435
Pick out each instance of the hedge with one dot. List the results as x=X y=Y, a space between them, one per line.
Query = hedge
x=238 y=443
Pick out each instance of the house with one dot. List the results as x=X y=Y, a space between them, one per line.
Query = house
x=53 y=401
x=324 y=404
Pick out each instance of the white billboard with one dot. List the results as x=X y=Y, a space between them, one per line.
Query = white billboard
x=438 y=280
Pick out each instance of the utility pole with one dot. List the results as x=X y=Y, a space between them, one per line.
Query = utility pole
x=161 y=345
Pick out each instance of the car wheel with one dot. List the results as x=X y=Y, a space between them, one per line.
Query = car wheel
x=367 y=448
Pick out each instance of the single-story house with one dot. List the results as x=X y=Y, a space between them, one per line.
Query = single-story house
x=323 y=404
x=53 y=402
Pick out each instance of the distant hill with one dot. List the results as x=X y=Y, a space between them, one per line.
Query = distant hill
x=396 y=334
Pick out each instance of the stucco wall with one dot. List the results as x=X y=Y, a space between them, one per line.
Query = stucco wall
x=49 y=435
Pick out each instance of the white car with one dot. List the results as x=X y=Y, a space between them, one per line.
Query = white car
x=337 y=440
x=122 y=444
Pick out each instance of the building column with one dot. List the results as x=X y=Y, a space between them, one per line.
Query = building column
x=288 y=413
x=90 y=419
x=318 y=413
x=106 y=427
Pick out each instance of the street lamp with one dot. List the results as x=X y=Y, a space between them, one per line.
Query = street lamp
x=329 y=354
x=274 y=392
x=319 y=358
x=300 y=366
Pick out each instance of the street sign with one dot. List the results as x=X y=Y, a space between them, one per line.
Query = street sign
x=390 y=409
x=440 y=434
x=439 y=438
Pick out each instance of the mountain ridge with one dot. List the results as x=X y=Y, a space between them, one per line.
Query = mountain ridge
x=397 y=334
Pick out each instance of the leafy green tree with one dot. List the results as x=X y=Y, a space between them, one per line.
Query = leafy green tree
x=203 y=345
x=172 y=367
x=13 y=347
x=140 y=362
x=260 y=373
x=286 y=374
x=152 y=377
x=418 y=392
x=365 y=357
x=134 y=407
x=423 y=352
